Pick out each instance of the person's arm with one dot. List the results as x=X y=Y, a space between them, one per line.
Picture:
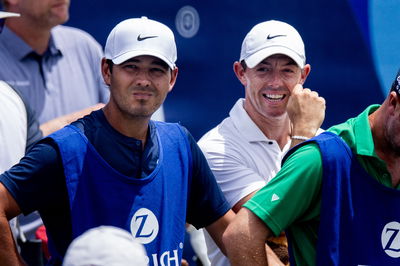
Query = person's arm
x=207 y=206
x=8 y=210
x=238 y=181
x=306 y=111
x=217 y=228
x=298 y=186
x=242 y=201
x=25 y=188
x=271 y=255
x=60 y=122
x=244 y=239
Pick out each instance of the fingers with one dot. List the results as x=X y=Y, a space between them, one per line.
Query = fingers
x=314 y=93
x=304 y=92
x=297 y=89
x=306 y=110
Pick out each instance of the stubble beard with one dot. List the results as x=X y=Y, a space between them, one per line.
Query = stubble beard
x=392 y=140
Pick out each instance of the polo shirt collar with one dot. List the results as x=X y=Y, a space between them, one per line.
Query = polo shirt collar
x=20 y=49
x=56 y=46
x=362 y=129
x=15 y=45
x=244 y=124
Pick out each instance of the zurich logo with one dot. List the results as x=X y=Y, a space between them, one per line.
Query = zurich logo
x=144 y=226
x=187 y=21
x=391 y=239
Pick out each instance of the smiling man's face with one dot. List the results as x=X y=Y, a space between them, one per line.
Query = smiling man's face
x=269 y=84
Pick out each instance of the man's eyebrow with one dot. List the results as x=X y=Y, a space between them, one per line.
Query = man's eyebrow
x=156 y=61
x=290 y=63
x=160 y=63
x=131 y=60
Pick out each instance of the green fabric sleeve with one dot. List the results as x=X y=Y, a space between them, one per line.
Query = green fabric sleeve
x=294 y=195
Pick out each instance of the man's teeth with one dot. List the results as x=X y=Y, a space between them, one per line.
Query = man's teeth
x=274 y=96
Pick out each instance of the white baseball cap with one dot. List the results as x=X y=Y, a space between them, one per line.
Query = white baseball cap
x=141 y=36
x=269 y=38
x=4 y=14
x=105 y=246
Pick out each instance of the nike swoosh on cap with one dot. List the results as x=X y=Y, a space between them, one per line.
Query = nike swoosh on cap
x=139 y=38
x=269 y=37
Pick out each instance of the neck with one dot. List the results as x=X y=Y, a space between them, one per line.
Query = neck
x=276 y=128
x=133 y=127
x=394 y=170
x=36 y=36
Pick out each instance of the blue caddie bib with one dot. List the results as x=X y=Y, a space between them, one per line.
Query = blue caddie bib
x=153 y=209
x=360 y=218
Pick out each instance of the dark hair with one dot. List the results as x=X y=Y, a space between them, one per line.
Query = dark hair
x=160 y=62
x=396 y=84
x=243 y=63
x=109 y=62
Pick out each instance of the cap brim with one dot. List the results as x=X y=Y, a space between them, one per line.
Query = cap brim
x=122 y=58
x=257 y=57
x=8 y=14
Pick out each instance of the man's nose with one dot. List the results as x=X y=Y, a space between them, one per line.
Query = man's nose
x=143 y=79
x=275 y=80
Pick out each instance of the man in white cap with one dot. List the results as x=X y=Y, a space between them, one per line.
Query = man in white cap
x=337 y=195
x=245 y=150
x=116 y=166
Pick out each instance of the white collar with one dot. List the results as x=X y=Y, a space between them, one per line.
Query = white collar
x=245 y=124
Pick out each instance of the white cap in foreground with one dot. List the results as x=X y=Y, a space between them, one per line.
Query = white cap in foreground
x=105 y=245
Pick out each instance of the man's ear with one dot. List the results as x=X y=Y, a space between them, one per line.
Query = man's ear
x=7 y=3
x=394 y=101
x=174 y=75
x=106 y=71
x=11 y=5
x=304 y=73
x=239 y=72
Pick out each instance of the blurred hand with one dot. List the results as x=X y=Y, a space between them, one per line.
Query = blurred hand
x=60 y=122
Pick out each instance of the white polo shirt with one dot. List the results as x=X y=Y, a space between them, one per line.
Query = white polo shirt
x=242 y=159
x=13 y=127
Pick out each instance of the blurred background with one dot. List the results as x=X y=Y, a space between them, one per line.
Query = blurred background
x=350 y=44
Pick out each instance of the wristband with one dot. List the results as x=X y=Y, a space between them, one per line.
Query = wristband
x=300 y=137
